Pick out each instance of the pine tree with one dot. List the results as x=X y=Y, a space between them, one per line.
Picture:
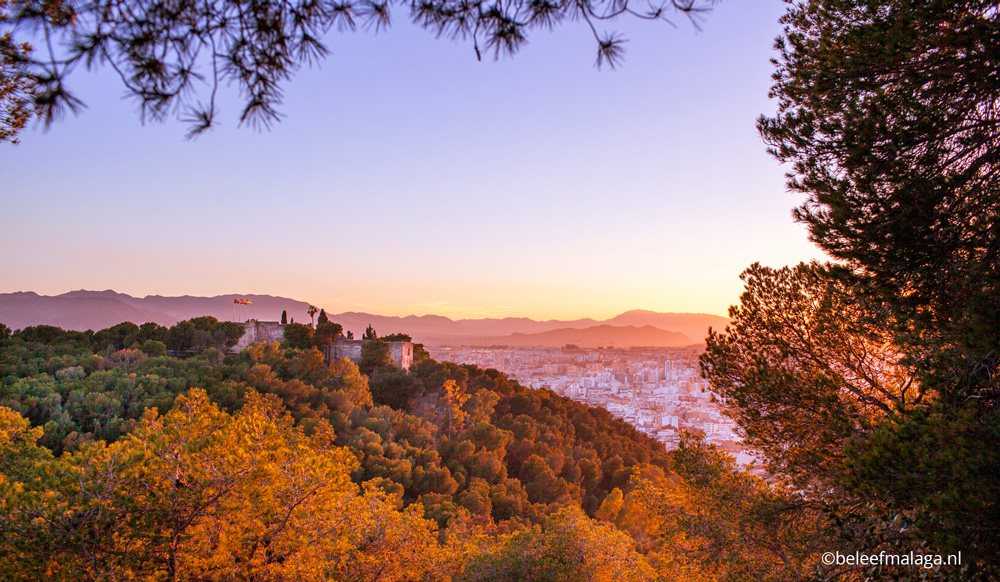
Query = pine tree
x=253 y=49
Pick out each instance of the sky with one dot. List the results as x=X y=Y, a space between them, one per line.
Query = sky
x=406 y=177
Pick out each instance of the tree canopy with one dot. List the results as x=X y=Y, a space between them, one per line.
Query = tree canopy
x=806 y=366
x=889 y=113
x=175 y=56
x=199 y=494
x=274 y=464
x=872 y=384
x=15 y=85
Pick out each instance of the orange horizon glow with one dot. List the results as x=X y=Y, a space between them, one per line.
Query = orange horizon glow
x=437 y=184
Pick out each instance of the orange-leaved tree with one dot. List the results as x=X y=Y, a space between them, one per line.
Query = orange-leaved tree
x=200 y=494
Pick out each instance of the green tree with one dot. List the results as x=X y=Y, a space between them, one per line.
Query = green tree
x=116 y=337
x=322 y=317
x=419 y=353
x=888 y=117
x=284 y=317
x=807 y=367
x=370 y=333
x=819 y=386
x=257 y=50
x=887 y=113
x=311 y=310
x=154 y=348
x=299 y=335
x=326 y=332
x=394 y=387
x=181 y=337
x=310 y=367
x=375 y=355
x=196 y=335
x=153 y=331
x=47 y=334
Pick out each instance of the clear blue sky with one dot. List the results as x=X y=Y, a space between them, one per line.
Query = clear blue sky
x=407 y=177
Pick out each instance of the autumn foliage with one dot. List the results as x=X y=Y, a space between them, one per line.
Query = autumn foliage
x=274 y=464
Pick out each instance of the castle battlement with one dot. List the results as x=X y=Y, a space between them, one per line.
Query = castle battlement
x=272 y=331
x=259 y=331
x=402 y=352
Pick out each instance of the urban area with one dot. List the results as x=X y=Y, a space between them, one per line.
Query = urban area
x=657 y=390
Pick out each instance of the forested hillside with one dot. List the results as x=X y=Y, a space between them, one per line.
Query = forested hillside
x=118 y=461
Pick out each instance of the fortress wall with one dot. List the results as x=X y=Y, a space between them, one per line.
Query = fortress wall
x=345 y=348
x=259 y=331
x=401 y=352
x=272 y=331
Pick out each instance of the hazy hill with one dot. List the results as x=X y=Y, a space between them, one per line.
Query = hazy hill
x=511 y=325
x=597 y=336
x=693 y=325
x=79 y=312
x=95 y=310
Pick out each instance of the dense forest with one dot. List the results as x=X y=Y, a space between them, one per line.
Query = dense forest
x=869 y=385
x=122 y=462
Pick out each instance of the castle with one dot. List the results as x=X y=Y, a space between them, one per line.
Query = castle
x=271 y=331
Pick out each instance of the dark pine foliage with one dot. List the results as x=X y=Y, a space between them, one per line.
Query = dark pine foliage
x=173 y=56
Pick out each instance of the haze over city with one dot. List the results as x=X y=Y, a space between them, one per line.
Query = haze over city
x=408 y=178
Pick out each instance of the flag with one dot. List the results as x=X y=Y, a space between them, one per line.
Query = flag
x=248 y=302
x=235 y=300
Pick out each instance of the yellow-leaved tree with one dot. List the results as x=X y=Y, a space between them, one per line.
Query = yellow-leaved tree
x=568 y=547
x=198 y=494
x=709 y=522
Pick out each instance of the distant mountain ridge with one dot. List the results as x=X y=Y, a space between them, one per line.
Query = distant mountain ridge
x=82 y=310
x=597 y=336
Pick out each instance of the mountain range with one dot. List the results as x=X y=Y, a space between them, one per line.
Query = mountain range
x=82 y=310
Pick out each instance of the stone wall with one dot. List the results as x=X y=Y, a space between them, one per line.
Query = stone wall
x=344 y=348
x=259 y=331
x=402 y=352
x=272 y=331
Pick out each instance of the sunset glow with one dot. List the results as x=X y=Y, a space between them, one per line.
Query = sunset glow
x=536 y=186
